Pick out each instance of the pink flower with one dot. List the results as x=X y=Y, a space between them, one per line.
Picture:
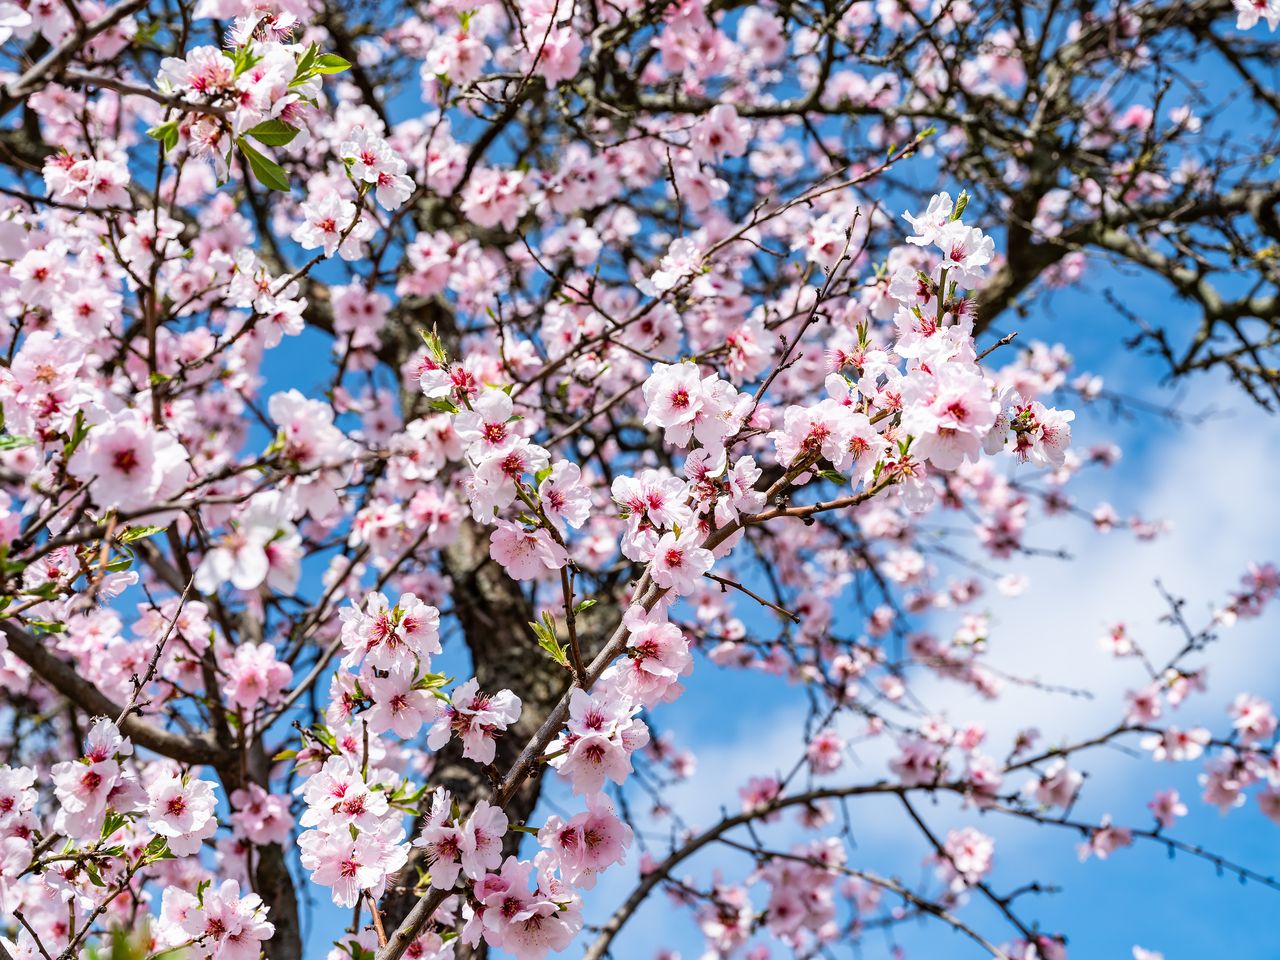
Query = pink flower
x=825 y=752
x=1105 y=840
x=351 y=867
x=929 y=224
x=565 y=498
x=442 y=840
x=477 y=718
x=480 y=839
x=719 y=134
x=588 y=843
x=399 y=639
x=948 y=413
x=526 y=924
x=1167 y=807
x=525 y=554
x=969 y=855
x=1249 y=12
x=228 y=926
x=1253 y=718
x=372 y=161
x=331 y=224
x=679 y=562
x=255 y=676
x=686 y=404
x=485 y=428
x=131 y=464
x=261 y=817
x=682 y=262
x=181 y=810
x=397 y=705
x=559 y=54
x=598 y=739
x=1058 y=786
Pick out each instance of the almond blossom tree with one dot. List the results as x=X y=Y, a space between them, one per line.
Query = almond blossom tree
x=404 y=405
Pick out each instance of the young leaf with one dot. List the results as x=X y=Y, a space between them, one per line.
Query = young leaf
x=140 y=533
x=274 y=133
x=331 y=63
x=166 y=133
x=265 y=170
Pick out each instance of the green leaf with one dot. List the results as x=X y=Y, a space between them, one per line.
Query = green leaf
x=585 y=605
x=111 y=823
x=265 y=170
x=284 y=755
x=8 y=442
x=158 y=849
x=274 y=133
x=547 y=641
x=307 y=61
x=79 y=431
x=166 y=133
x=331 y=63
x=140 y=533
x=92 y=870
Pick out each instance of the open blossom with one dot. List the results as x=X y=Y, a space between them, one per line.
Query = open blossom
x=1253 y=718
x=657 y=656
x=686 y=404
x=225 y=925
x=966 y=250
x=601 y=734
x=565 y=498
x=526 y=923
x=1167 y=807
x=255 y=676
x=948 y=412
x=351 y=866
x=587 y=843
x=1177 y=745
x=682 y=261
x=525 y=553
x=396 y=638
x=1105 y=840
x=825 y=752
x=1057 y=786
x=182 y=811
x=477 y=718
x=486 y=429
x=441 y=839
x=1249 y=12
x=372 y=161
x=398 y=705
x=132 y=464
x=87 y=787
x=259 y=816
x=928 y=225
x=967 y=857
x=332 y=224
x=259 y=546
x=679 y=562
